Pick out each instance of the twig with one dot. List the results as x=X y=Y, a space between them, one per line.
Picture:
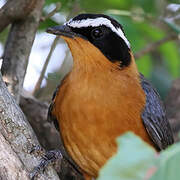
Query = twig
x=54 y=11
x=15 y=10
x=38 y=84
x=151 y=47
x=17 y=50
x=75 y=8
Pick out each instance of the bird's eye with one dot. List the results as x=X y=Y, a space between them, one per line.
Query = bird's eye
x=97 y=33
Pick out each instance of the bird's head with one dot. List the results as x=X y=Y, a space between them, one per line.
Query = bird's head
x=97 y=37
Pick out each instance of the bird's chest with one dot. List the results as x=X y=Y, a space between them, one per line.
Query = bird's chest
x=91 y=115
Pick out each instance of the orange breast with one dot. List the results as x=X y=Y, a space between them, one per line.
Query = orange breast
x=94 y=110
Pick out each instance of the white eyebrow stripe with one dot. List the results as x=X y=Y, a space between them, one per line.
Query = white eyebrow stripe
x=98 y=22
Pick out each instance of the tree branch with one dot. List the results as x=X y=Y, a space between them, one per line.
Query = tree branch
x=173 y=105
x=19 y=136
x=15 y=10
x=151 y=47
x=42 y=75
x=11 y=166
x=17 y=50
x=54 y=11
x=36 y=112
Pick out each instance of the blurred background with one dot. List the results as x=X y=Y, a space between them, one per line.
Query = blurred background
x=145 y=23
x=151 y=26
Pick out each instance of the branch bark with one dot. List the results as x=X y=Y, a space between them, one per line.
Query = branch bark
x=173 y=106
x=54 y=11
x=15 y=10
x=36 y=112
x=10 y=164
x=151 y=47
x=17 y=49
x=16 y=134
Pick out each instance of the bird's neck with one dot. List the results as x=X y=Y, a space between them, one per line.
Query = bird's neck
x=92 y=69
x=90 y=61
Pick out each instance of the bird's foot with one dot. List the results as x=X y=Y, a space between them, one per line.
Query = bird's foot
x=49 y=158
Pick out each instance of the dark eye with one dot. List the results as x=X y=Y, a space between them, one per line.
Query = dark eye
x=97 y=33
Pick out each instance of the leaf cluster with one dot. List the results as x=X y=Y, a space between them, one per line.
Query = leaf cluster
x=136 y=160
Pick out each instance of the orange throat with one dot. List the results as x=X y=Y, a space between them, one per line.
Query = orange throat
x=96 y=103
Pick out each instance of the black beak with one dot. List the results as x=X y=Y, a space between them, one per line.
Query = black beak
x=61 y=31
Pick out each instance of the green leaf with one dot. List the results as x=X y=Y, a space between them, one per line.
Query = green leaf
x=132 y=161
x=171 y=55
x=66 y=5
x=51 y=1
x=4 y=35
x=168 y=166
x=147 y=5
x=145 y=65
x=101 y=5
x=161 y=79
x=47 y=23
x=151 y=32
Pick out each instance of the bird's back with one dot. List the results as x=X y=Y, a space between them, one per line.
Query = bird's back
x=154 y=117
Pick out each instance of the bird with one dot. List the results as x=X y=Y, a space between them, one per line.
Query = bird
x=104 y=95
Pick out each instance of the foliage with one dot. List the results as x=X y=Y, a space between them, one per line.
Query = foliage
x=135 y=160
x=143 y=24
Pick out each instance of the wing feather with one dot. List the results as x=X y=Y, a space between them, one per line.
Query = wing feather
x=154 y=117
x=51 y=117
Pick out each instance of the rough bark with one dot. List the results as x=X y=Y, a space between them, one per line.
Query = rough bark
x=16 y=134
x=15 y=10
x=36 y=113
x=173 y=107
x=10 y=165
x=48 y=136
x=17 y=50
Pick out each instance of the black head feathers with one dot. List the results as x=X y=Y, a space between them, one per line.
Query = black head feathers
x=105 y=33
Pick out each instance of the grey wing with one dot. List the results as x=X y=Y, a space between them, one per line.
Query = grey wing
x=154 y=117
x=51 y=117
